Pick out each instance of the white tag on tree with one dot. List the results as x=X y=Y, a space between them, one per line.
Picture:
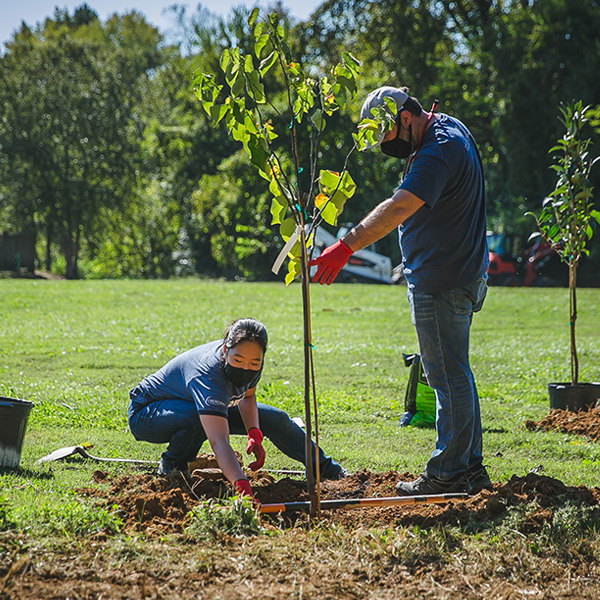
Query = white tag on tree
x=284 y=251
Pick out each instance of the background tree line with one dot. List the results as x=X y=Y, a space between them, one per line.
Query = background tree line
x=106 y=155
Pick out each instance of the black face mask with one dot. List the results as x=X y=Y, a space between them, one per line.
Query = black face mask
x=397 y=147
x=239 y=377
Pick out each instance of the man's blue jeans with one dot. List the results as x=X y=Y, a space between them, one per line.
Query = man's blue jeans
x=443 y=321
x=177 y=423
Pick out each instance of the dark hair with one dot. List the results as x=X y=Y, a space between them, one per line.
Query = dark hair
x=245 y=330
x=412 y=105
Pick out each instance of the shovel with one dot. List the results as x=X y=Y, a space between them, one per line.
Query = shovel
x=363 y=502
x=82 y=451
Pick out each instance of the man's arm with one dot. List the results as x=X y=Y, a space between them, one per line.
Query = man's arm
x=385 y=217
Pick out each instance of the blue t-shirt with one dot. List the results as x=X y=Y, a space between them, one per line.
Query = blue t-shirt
x=197 y=376
x=444 y=243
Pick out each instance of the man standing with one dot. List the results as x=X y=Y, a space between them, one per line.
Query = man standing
x=439 y=209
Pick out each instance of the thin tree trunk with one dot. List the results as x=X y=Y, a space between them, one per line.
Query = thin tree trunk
x=70 y=253
x=48 y=260
x=573 y=318
x=310 y=478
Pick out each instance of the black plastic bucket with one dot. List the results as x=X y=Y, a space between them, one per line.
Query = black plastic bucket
x=573 y=397
x=13 y=422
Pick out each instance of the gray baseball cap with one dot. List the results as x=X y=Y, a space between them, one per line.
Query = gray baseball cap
x=375 y=99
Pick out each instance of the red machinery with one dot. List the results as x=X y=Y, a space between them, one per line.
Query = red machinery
x=538 y=265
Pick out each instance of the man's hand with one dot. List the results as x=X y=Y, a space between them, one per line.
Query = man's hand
x=254 y=446
x=243 y=488
x=330 y=262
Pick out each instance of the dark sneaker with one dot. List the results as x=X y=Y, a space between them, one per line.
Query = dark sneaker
x=478 y=479
x=427 y=484
x=169 y=467
x=335 y=475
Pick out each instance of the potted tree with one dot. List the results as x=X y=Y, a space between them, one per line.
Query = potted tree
x=567 y=221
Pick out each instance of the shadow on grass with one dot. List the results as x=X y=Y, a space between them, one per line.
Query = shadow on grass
x=27 y=473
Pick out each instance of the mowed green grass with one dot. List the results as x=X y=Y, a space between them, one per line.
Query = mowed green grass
x=76 y=348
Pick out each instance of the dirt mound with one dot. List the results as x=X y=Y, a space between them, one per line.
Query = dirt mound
x=585 y=423
x=161 y=504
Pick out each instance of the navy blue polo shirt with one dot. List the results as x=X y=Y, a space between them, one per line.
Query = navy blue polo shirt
x=196 y=376
x=444 y=243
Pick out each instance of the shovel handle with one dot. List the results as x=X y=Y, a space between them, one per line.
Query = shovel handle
x=363 y=502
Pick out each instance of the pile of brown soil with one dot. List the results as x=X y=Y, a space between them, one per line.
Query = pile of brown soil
x=584 y=422
x=157 y=505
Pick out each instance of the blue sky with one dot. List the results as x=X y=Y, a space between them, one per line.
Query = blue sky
x=34 y=11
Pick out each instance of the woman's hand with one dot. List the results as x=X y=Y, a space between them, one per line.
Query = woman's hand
x=254 y=446
x=243 y=488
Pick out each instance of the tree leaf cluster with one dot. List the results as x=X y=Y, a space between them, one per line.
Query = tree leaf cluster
x=568 y=216
x=257 y=120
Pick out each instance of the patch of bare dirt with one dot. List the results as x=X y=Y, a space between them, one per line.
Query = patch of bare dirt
x=367 y=558
x=585 y=423
x=161 y=504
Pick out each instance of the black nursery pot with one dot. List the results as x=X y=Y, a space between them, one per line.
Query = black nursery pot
x=574 y=397
x=13 y=422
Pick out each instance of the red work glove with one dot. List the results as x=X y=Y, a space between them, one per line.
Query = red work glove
x=330 y=262
x=254 y=446
x=243 y=488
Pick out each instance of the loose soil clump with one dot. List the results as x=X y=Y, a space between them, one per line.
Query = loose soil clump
x=585 y=423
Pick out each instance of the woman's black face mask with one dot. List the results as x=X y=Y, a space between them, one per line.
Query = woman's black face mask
x=239 y=377
x=397 y=147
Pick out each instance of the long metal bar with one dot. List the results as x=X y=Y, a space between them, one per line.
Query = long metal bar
x=62 y=453
x=363 y=502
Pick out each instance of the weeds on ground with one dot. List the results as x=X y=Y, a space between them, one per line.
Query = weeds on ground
x=6 y=518
x=229 y=516
x=71 y=518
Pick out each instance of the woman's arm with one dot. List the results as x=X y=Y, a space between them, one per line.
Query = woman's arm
x=249 y=410
x=217 y=431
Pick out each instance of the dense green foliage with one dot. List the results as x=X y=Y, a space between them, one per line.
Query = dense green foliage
x=109 y=159
x=302 y=193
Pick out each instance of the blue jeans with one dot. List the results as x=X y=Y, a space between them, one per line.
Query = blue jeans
x=177 y=423
x=443 y=321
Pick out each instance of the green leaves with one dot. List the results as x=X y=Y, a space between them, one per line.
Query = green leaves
x=280 y=201
x=252 y=119
x=335 y=190
x=267 y=63
x=567 y=212
x=371 y=130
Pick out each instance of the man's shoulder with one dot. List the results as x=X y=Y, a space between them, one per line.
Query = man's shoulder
x=447 y=129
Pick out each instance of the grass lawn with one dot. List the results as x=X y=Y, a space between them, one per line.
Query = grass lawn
x=76 y=348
